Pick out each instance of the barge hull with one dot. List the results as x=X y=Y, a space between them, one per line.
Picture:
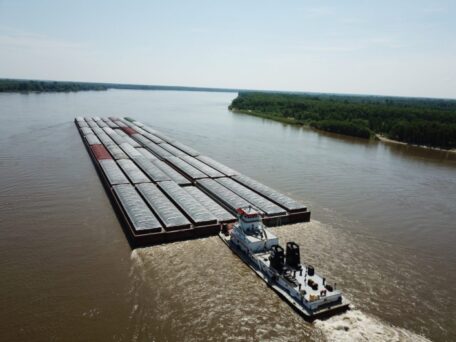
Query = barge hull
x=119 y=159
x=136 y=240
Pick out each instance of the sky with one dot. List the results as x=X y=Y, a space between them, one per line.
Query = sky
x=401 y=48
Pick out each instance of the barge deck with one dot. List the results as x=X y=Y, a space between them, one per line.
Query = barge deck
x=164 y=190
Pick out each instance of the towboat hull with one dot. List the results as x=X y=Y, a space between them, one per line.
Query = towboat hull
x=298 y=307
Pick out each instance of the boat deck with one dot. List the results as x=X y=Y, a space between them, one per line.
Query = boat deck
x=301 y=277
x=323 y=312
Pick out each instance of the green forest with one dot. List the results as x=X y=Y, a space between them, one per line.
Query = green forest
x=7 y=85
x=24 y=86
x=420 y=121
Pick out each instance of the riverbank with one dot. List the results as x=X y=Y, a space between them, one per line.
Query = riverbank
x=397 y=142
x=416 y=121
x=288 y=120
x=292 y=121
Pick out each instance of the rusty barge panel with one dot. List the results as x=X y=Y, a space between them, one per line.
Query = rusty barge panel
x=164 y=191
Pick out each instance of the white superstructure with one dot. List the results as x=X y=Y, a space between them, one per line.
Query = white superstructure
x=249 y=233
x=305 y=290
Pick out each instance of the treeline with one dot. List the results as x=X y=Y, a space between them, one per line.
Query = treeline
x=430 y=122
x=7 y=85
x=14 y=85
x=343 y=127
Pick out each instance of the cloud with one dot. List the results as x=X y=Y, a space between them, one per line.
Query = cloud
x=329 y=48
x=343 y=45
x=384 y=42
x=24 y=40
x=434 y=9
x=320 y=11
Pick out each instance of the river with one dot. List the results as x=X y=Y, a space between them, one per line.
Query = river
x=383 y=228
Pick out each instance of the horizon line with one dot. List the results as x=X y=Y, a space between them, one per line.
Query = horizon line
x=222 y=89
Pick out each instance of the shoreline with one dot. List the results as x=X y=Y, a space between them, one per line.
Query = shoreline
x=287 y=120
x=397 y=142
x=376 y=136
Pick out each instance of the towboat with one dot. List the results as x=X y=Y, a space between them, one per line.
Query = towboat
x=306 y=291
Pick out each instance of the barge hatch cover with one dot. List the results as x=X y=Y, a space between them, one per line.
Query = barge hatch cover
x=147 y=154
x=172 y=173
x=135 y=175
x=206 y=169
x=157 y=150
x=173 y=150
x=187 y=149
x=190 y=171
x=141 y=217
x=229 y=198
x=284 y=201
x=130 y=150
x=150 y=169
x=163 y=207
x=116 y=152
x=258 y=201
x=92 y=139
x=194 y=209
x=218 y=166
x=86 y=130
x=113 y=173
x=219 y=212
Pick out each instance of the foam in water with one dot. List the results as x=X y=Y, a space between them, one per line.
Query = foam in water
x=355 y=325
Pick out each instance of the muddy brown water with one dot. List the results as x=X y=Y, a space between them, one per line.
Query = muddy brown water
x=383 y=229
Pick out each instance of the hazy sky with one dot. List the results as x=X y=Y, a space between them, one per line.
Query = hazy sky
x=369 y=47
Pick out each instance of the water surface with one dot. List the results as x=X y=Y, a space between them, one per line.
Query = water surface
x=383 y=228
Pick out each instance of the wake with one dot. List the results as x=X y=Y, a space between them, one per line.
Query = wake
x=355 y=325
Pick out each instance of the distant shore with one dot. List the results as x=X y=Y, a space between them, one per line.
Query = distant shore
x=45 y=86
x=32 y=86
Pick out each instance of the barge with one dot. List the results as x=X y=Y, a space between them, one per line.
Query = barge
x=164 y=190
x=306 y=291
